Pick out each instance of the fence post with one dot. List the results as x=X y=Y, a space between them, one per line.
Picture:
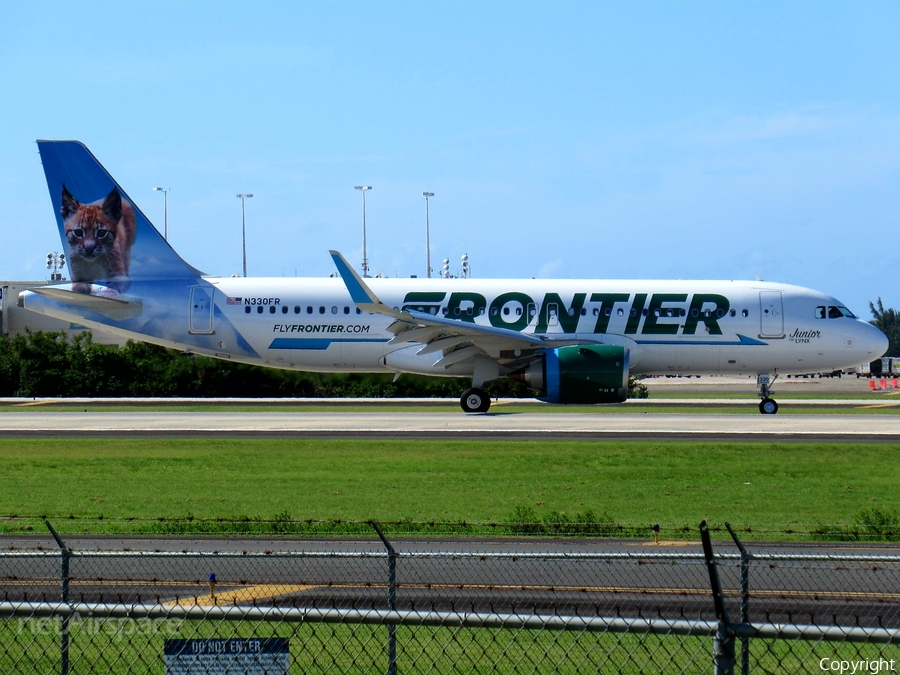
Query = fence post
x=392 y=599
x=65 y=554
x=723 y=643
x=745 y=598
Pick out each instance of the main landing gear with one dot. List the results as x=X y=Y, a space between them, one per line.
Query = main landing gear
x=764 y=381
x=475 y=400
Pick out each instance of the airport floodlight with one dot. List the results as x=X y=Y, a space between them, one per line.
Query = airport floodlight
x=243 y=197
x=55 y=262
x=365 y=258
x=165 y=192
x=427 y=236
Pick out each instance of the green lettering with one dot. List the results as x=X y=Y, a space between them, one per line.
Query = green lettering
x=519 y=315
x=423 y=301
x=568 y=316
x=655 y=311
x=634 y=314
x=465 y=306
x=706 y=308
x=606 y=300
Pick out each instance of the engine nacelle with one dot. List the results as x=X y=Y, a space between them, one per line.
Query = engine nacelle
x=579 y=374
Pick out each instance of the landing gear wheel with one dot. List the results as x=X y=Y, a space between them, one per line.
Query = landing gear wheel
x=768 y=407
x=475 y=401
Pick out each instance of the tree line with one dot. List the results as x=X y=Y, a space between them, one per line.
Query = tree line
x=42 y=364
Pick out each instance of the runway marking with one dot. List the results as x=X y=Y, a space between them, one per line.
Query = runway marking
x=240 y=594
x=668 y=543
x=33 y=403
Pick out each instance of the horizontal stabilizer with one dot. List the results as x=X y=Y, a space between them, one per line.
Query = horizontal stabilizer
x=117 y=308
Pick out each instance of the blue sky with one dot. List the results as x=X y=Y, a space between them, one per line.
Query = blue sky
x=561 y=139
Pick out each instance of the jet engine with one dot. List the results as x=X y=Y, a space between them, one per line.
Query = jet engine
x=579 y=374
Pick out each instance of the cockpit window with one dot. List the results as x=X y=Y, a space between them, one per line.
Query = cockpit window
x=833 y=312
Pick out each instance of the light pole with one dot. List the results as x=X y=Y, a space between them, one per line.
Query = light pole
x=365 y=260
x=243 y=197
x=427 y=237
x=165 y=192
x=55 y=262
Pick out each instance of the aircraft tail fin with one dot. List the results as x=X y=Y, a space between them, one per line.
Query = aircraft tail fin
x=107 y=240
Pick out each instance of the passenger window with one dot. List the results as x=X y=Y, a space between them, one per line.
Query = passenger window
x=494 y=311
x=645 y=312
x=583 y=311
x=733 y=312
x=346 y=310
x=271 y=309
x=620 y=312
x=695 y=312
x=321 y=309
x=259 y=310
x=596 y=311
x=309 y=309
x=246 y=309
x=296 y=309
x=720 y=313
x=506 y=311
x=633 y=312
x=608 y=311
x=745 y=312
x=284 y=310
x=358 y=310
x=333 y=309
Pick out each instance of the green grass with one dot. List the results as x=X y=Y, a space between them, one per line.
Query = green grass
x=120 y=646
x=766 y=487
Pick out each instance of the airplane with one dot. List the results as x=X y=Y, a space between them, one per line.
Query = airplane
x=574 y=341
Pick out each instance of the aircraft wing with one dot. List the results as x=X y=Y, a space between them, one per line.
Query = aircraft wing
x=455 y=340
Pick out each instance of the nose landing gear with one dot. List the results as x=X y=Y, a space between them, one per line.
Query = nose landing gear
x=765 y=381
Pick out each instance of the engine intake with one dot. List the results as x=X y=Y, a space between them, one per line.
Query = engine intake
x=579 y=374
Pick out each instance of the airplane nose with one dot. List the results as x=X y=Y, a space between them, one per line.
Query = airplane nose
x=873 y=340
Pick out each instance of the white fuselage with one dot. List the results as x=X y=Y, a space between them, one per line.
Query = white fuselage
x=697 y=327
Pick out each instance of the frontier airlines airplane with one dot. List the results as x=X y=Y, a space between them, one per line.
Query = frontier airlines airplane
x=572 y=341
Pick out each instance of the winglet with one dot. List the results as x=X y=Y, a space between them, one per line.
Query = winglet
x=360 y=293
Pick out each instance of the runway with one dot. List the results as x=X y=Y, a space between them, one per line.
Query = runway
x=828 y=584
x=553 y=424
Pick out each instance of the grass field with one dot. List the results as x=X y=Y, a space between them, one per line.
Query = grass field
x=766 y=487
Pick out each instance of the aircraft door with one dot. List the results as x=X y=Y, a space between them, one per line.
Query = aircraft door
x=201 y=316
x=771 y=314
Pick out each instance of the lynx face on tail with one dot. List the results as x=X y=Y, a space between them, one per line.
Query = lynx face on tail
x=100 y=236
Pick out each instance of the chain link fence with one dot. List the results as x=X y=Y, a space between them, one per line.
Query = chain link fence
x=373 y=607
